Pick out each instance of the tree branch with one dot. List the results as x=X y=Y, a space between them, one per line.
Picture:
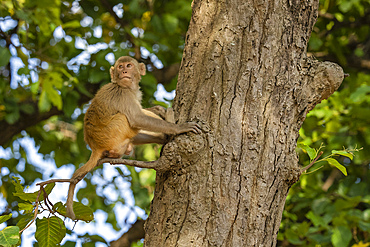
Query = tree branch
x=166 y=74
x=135 y=233
x=319 y=81
x=27 y=120
x=312 y=163
x=156 y=165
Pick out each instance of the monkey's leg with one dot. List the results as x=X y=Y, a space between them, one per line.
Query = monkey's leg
x=170 y=116
x=123 y=148
x=158 y=110
x=79 y=174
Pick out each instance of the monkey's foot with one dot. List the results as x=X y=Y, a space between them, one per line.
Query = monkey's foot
x=136 y=163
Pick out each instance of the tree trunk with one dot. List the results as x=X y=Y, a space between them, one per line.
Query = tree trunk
x=246 y=79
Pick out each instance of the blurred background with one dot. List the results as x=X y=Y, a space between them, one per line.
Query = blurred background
x=55 y=55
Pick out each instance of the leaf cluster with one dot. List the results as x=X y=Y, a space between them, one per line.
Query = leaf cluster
x=55 y=55
x=326 y=207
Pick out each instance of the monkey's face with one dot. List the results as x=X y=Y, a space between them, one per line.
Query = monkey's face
x=127 y=72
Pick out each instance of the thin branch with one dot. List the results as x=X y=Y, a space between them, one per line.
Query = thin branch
x=135 y=233
x=35 y=214
x=312 y=163
x=8 y=38
x=8 y=131
x=47 y=201
x=54 y=181
x=156 y=165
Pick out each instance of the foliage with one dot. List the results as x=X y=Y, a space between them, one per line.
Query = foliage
x=326 y=208
x=315 y=155
x=56 y=54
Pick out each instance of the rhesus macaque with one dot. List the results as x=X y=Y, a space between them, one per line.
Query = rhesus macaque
x=115 y=119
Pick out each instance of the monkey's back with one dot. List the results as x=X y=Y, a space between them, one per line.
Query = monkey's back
x=105 y=124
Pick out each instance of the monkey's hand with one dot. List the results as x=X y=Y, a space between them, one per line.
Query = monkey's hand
x=189 y=127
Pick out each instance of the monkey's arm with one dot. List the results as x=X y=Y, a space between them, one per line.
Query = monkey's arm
x=140 y=119
x=145 y=137
x=144 y=122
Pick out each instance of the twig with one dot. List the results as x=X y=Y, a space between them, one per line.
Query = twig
x=313 y=162
x=53 y=181
x=35 y=215
x=306 y=173
x=46 y=199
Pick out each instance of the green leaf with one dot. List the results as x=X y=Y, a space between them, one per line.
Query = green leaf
x=9 y=236
x=97 y=76
x=365 y=226
x=35 y=87
x=55 y=98
x=310 y=151
x=319 y=205
x=5 y=56
x=359 y=52
x=315 y=42
x=25 y=206
x=81 y=211
x=335 y=163
x=50 y=83
x=24 y=220
x=71 y=24
x=44 y=102
x=345 y=6
x=293 y=237
x=339 y=17
x=341 y=236
x=170 y=23
x=12 y=117
x=350 y=202
x=27 y=108
x=343 y=153
x=318 y=220
x=50 y=231
x=5 y=218
x=31 y=197
x=70 y=103
x=361 y=94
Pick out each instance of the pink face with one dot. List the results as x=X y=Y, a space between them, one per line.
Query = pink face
x=126 y=71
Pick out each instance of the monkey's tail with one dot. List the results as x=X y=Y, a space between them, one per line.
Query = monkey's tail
x=77 y=176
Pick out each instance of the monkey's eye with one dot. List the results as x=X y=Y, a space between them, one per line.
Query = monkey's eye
x=120 y=66
x=129 y=65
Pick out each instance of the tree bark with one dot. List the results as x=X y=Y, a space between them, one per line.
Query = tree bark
x=246 y=79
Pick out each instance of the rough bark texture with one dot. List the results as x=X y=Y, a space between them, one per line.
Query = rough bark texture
x=246 y=79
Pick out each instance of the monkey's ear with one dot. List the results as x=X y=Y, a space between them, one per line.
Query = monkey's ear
x=111 y=73
x=142 y=69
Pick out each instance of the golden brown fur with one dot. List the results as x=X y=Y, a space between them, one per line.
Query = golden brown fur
x=115 y=120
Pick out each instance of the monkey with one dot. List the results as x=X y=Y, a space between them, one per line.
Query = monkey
x=115 y=121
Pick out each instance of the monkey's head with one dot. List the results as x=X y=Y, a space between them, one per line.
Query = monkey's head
x=127 y=72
